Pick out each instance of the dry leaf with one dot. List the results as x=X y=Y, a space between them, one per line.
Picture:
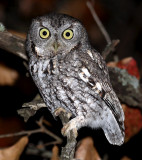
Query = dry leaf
x=133 y=121
x=8 y=76
x=14 y=125
x=125 y=158
x=87 y=151
x=129 y=64
x=14 y=152
x=55 y=153
x=112 y=64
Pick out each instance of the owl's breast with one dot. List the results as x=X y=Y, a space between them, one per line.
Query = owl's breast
x=61 y=86
x=72 y=92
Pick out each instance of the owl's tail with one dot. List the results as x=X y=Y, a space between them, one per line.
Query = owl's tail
x=113 y=129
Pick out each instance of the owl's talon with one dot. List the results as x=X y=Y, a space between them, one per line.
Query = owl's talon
x=66 y=130
x=60 y=110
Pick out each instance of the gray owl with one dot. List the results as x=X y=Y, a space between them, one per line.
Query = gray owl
x=72 y=75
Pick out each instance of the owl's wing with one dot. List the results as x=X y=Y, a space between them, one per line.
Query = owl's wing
x=95 y=74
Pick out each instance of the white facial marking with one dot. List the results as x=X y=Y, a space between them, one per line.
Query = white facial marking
x=39 y=50
x=86 y=72
x=90 y=54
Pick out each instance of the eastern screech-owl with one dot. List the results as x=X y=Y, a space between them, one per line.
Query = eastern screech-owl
x=71 y=74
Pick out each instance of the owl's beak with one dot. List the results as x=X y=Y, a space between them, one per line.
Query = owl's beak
x=55 y=46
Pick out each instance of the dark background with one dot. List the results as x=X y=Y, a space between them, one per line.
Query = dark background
x=121 y=18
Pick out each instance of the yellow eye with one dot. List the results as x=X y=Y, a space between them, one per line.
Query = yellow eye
x=44 y=33
x=68 y=34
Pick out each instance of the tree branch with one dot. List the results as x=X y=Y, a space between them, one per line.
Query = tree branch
x=110 y=48
x=13 y=44
x=69 y=150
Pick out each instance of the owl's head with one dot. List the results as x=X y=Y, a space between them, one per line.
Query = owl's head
x=55 y=34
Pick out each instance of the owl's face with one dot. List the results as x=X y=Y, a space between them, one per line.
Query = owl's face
x=56 y=34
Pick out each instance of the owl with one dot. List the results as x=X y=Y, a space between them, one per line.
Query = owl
x=72 y=76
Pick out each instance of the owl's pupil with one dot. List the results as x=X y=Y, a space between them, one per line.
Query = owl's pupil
x=44 y=33
x=67 y=34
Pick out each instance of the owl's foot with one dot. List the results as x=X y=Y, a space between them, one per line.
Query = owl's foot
x=60 y=110
x=70 y=126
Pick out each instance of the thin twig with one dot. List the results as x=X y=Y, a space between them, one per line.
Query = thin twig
x=42 y=129
x=40 y=123
x=21 y=133
x=68 y=151
x=47 y=144
x=98 y=22
x=110 y=44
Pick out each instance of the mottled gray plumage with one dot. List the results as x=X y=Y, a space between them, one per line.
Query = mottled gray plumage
x=71 y=74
